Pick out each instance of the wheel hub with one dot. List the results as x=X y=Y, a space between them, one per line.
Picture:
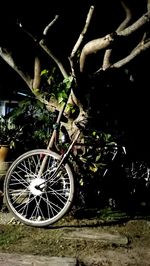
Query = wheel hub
x=34 y=186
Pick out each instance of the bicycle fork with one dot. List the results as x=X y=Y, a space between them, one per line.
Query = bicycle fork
x=64 y=157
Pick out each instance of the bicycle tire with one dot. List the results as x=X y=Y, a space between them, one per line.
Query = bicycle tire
x=31 y=205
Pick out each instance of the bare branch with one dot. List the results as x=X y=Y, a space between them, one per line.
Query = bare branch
x=27 y=32
x=148 y=5
x=56 y=60
x=50 y=25
x=7 y=57
x=136 y=25
x=33 y=85
x=49 y=52
x=44 y=46
x=94 y=46
x=37 y=74
x=128 y=17
x=80 y=39
x=122 y=26
x=140 y=48
x=105 y=42
x=72 y=98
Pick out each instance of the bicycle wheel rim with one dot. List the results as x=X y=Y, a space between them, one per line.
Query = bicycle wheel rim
x=38 y=207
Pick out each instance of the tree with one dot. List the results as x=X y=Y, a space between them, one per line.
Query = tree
x=85 y=61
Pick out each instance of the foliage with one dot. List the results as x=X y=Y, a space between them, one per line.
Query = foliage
x=10 y=132
x=95 y=148
x=36 y=122
x=90 y=158
x=53 y=87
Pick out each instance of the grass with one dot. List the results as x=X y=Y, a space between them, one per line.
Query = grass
x=50 y=241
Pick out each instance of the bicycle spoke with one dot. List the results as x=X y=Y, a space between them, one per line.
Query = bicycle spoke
x=17 y=179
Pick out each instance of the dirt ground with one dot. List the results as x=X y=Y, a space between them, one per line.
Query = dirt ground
x=94 y=241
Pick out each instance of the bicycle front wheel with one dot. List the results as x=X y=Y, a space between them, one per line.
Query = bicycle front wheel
x=32 y=195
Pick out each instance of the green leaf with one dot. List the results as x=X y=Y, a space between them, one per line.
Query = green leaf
x=44 y=72
x=68 y=82
x=93 y=167
x=70 y=108
x=98 y=157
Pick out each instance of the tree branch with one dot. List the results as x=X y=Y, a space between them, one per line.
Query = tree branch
x=105 y=42
x=33 y=84
x=80 y=39
x=142 y=21
x=122 y=26
x=7 y=57
x=50 y=25
x=56 y=60
x=93 y=47
x=140 y=48
x=37 y=74
x=82 y=34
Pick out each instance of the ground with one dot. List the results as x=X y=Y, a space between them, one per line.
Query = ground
x=95 y=238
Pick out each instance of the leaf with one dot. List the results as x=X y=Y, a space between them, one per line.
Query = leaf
x=81 y=182
x=84 y=160
x=44 y=72
x=70 y=108
x=98 y=157
x=93 y=167
x=68 y=82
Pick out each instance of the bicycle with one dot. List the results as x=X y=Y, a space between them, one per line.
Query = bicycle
x=39 y=185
